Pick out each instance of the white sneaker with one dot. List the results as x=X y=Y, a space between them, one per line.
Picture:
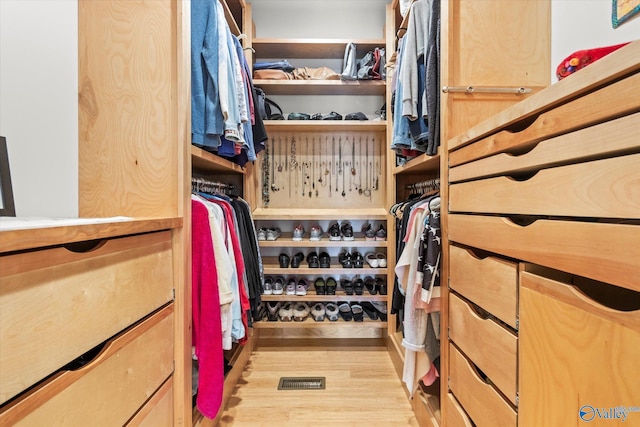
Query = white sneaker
x=273 y=233
x=267 y=286
x=316 y=233
x=298 y=233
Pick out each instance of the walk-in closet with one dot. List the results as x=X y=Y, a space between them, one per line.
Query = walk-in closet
x=292 y=213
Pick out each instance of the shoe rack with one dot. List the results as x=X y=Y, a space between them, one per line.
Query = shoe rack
x=317 y=173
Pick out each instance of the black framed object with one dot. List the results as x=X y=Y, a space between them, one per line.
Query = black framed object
x=6 y=192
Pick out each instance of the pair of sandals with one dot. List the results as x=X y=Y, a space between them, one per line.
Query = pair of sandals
x=376 y=260
x=351 y=260
x=353 y=287
x=327 y=287
x=351 y=312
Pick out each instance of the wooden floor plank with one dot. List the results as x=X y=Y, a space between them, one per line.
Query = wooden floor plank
x=362 y=387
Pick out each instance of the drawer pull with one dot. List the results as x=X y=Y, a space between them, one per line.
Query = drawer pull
x=86 y=246
x=481 y=313
x=85 y=358
x=520 y=220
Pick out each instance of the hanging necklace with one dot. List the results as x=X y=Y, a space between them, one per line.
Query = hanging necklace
x=337 y=169
x=294 y=164
x=376 y=169
x=265 y=176
x=313 y=166
x=367 y=191
x=274 y=187
x=360 y=169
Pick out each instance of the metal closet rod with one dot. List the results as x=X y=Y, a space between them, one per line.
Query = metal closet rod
x=208 y=186
x=485 y=89
x=430 y=183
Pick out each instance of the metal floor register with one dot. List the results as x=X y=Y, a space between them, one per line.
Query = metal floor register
x=301 y=383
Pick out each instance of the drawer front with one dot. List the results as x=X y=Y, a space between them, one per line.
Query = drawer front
x=158 y=411
x=456 y=416
x=608 y=188
x=490 y=346
x=590 y=352
x=491 y=282
x=615 y=100
x=56 y=304
x=621 y=136
x=599 y=251
x=109 y=389
x=483 y=404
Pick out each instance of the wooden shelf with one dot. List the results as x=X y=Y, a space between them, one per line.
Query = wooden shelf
x=285 y=241
x=420 y=164
x=312 y=297
x=204 y=161
x=319 y=214
x=270 y=269
x=321 y=87
x=310 y=323
x=311 y=48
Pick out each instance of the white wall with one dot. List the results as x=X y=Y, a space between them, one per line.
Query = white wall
x=585 y=24
x=39 y=104
x=38 y=76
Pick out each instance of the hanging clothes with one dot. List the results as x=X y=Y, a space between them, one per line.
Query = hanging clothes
x=207 y=327
x=416 y=84
x=418 y=282
x=223 y=116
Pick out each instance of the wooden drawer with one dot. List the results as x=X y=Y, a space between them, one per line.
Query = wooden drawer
x=56 y=304
x=621 y=136
x=607 y=188
x=125 y=374
x=490 y=346
x=158 y=411
x=490 y=282
x=578 y=349
x=480 y=400
x=615 y=100
x=600 y=251
x=456 y=417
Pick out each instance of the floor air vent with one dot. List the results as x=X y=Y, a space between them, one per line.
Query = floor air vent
x=301 y=383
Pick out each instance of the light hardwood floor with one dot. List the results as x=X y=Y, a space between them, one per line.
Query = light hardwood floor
x=362 y=387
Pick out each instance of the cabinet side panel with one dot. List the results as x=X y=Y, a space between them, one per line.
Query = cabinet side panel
x=127 y=116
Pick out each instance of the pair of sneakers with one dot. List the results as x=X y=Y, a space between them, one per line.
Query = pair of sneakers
x=298 y=288
x=271 y=286
x=271 y=233
x=343 y=231
x=315 y=233
x=371 y=234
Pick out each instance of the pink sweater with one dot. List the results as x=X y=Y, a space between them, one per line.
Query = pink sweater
x=207 y=327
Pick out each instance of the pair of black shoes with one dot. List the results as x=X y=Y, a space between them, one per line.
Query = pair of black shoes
x=284 y=260
x=351 y=260
x=353 y=287
x=313 y=259
x=319 y=261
